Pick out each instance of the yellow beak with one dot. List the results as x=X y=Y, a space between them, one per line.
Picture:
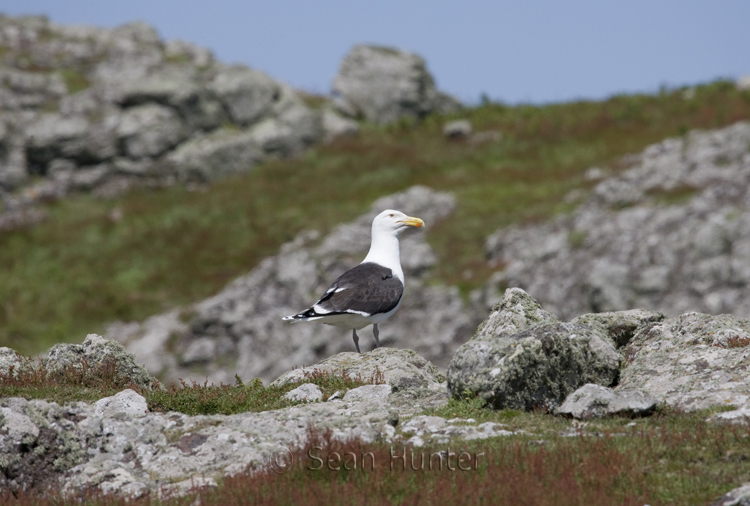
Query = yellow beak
x=414 y=222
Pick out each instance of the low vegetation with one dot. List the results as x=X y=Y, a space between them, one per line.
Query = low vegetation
x=94 y=261
x=91 y=382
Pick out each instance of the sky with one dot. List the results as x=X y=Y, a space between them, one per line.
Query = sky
x=511 y=51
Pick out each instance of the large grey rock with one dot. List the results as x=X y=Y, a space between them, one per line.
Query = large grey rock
x=621 y=326
x=215 y=155
x=596 y=401
x=149 y=130
x=693 y=361
x=671 y=233
x=248 y=95
x=244 y=319
x=536 y=363
x=96 y=350
x=384 y=84
x=10 y=361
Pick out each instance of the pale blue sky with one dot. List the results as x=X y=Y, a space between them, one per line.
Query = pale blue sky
x=522 y=51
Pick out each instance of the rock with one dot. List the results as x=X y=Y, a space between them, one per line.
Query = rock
x=368 y=393
x=516 y=312
x=335 y=125
x=743 y=83
x=95 y=350
x=534 y=367
x=739 y=496
x=149 y=130
x=246 y=315
x=212 y=156
x=693 y=361
x=383 y=85
x=248 y=95
x=127 y=402
x=307 y=392
x=621 y=325
x=458 y=129
x=740 y=416
x=596 y=401
x=9 y=359
x=671 y=233
x=404 y=374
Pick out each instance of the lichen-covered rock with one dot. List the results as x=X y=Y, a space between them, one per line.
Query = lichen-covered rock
x=307 y=392
x=247 y=94
x=523 y=358
x=596 y=401
x=97 y=350
x=127 y=402
x=10 y=361
x=516 y=312
x=692 y=361
x=384 y=84
x=149 y=130
x=406 y=375
x=621 y=325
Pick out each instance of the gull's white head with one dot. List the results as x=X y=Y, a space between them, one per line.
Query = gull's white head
x=394 y=222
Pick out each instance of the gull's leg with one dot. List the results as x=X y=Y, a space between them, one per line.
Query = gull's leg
x=376 y=333
x=356 y=339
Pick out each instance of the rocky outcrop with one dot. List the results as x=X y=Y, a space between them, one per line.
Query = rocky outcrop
x=118 y=446
x=92 y=109
x=523 y=358
x=240 y=330
x=693 y=361
x=383 y=85
x=671 y=233
x=739 y=496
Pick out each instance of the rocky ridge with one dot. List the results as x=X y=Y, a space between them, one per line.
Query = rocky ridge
x=671 y=233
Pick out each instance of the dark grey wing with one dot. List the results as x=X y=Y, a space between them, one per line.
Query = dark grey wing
x=368 y=288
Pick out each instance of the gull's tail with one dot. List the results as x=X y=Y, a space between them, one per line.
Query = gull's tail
x=305 y=316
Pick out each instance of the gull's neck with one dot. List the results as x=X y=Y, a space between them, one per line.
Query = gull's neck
x=384 y=250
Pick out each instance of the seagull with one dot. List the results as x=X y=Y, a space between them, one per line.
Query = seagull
x=371 y=292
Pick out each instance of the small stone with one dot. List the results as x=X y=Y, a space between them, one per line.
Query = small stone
x=596 y=401
x=127 y=402
x=458 y=129
x=308 y=392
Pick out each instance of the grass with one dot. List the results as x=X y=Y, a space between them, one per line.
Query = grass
x=91 y=382
x=80 y=269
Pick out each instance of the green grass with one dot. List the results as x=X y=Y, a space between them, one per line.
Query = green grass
x=91 y=382
x=80 y=269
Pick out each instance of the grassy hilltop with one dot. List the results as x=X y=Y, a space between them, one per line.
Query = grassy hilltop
x=94 y=261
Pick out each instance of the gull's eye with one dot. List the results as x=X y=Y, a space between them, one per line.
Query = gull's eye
x=391 y=215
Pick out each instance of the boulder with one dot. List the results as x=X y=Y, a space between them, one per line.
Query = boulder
x=621 y=326
x=9 y=360
x=95 y=350
x=149 y=130
x=211 y=156
x=596 y=401
x=383 y=85
x=248 y=95
x=536 y=362
x=458 y=129
x=335 y=125
x=692 y=361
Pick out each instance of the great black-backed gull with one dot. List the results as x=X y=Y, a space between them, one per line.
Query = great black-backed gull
x=371 y=292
